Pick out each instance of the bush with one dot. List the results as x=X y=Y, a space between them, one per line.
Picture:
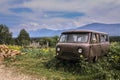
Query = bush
x=42 y=62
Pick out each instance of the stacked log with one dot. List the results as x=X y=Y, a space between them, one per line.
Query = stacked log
x=6 y=52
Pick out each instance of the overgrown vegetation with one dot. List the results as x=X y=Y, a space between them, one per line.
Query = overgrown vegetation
x=51 y=41
x=41 y=62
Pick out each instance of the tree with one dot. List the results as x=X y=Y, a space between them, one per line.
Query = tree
x=49 y=41
x=53 y=41
x=23 y=38
x=5 y=35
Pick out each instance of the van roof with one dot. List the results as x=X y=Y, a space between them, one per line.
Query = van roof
x=83 y=31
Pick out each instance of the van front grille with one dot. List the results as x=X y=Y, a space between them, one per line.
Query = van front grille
x=69 y=54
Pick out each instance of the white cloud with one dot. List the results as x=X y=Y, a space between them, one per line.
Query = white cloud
x=104 y=11
x=98 y=10
x=28 y=26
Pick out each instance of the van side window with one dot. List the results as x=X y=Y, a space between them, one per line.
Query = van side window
x=95 y=38
x=107 y=38
x=103 y=38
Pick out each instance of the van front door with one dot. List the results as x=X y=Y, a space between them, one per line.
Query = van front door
x=95 y=48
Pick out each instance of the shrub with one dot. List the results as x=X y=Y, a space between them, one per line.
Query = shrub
x=39 y=61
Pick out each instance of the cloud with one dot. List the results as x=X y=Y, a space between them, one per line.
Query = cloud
x=29 y=26
x=57 y=14
x=33 y=26
x=51 y=14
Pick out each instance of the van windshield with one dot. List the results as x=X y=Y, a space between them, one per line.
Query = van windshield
x=74 y=38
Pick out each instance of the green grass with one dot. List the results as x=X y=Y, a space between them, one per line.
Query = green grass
x=41 y=63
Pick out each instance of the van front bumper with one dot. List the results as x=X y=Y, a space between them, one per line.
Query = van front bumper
x=67 y=56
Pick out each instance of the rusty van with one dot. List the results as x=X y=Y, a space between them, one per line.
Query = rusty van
x=90 y=44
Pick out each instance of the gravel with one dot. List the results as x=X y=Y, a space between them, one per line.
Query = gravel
x=10 y=74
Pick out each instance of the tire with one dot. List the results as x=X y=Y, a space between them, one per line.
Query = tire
x=95 y=59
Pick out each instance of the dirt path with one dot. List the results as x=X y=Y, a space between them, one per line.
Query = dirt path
x=9 y=74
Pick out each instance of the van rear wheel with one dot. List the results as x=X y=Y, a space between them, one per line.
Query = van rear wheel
x=95 y=59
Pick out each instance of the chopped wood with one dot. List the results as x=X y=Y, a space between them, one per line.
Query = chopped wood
x=6 y=52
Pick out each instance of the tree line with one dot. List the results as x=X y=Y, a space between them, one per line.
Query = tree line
x=114 y=38
x=23 y=38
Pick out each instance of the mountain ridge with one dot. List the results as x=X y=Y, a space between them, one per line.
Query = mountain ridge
x=111 y=29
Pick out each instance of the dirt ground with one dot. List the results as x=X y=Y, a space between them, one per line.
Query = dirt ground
x=10 y=74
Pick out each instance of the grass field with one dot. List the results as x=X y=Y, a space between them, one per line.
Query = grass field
x=42 y=64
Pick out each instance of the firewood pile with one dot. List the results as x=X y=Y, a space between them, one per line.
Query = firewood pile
x=6 y=52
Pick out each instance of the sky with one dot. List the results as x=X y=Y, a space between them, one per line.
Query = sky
x=33 y=15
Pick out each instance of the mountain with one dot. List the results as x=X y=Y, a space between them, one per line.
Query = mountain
x=111 y=29
x=45 y=33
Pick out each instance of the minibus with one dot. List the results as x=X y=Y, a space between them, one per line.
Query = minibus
x=87 y=43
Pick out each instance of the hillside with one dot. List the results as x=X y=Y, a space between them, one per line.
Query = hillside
x=111 y=29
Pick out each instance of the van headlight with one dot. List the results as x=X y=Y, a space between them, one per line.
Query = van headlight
x=80 y=50
x=58 y=49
